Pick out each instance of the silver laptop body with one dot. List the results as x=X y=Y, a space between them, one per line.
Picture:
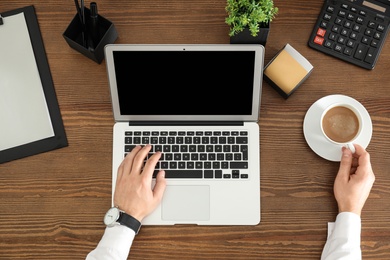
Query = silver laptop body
x=197 y=95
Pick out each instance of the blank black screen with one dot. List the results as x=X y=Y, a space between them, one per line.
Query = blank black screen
x=185 y=82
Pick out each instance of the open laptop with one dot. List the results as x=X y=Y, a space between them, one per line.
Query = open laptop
x=199 y=105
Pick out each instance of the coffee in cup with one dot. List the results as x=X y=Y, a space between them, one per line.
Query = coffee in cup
x=341 y=124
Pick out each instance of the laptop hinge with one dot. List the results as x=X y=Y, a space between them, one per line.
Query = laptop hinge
x=186 y=123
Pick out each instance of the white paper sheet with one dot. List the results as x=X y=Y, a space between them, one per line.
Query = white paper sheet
x=24 y=116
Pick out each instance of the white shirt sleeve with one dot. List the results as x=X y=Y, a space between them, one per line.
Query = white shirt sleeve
x=114 y=245
x=343 y=242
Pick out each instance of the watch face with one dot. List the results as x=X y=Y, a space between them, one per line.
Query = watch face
x=111 y=216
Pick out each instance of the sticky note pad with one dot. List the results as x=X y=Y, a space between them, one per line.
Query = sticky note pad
x=287 y=70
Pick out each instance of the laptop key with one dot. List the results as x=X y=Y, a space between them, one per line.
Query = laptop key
x=244 y=150
x=242 y=140
x=218 y=174
x=238 y=165
x=208 y=174
x=128 y=148
x=197 y=174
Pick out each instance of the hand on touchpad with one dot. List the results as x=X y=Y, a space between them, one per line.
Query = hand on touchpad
x=186 y=204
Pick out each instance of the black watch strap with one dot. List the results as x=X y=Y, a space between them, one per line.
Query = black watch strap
x=130 y=222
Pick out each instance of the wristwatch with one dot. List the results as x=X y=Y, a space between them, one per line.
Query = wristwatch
x=115 y=216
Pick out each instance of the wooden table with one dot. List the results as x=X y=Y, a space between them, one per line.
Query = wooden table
x=52 y=204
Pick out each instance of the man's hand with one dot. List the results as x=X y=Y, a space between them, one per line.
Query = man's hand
x=354 y=180
x=133 y=192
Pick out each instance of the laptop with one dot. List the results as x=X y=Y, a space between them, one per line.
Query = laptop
x=199 y=105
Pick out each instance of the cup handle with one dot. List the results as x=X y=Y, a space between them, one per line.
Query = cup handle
x=351 y=147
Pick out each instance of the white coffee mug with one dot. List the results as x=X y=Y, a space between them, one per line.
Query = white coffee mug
x=341 y=124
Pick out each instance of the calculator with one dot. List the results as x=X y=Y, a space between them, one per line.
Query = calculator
x=352 y=30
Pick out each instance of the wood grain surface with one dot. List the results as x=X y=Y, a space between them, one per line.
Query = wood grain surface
x=52 y=204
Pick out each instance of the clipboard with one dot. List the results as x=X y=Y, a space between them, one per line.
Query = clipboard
x=54 y=136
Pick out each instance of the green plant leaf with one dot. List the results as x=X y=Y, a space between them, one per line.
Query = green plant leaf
x=249 y=14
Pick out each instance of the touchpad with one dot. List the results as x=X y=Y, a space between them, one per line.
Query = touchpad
x=186 y=203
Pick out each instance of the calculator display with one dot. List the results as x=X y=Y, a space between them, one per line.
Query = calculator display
x=374 y=6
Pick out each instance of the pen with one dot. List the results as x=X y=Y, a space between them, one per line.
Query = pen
x=93 y=26
x=80 y=11
x=85 y=36
x=76 y=2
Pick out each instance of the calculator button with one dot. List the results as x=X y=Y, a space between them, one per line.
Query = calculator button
x=338 y=21
x=374 y=43
x=332 y=36
x=347 y=51
x=318 y=40
x=341 y=40
x=380 y=27
x=330 y=9
x=377 y=35
x=327 y=17
x=342 y=13
x=350 y=43
x=369 y=32
x=347 y=24
x=328 y=44
x=324 y=24
x=365 y=40
x=353 y=35
x=360 y=20
x=371 y=24
x=321 y=32
x=360 y=52
x=370 y=57
x=335 y=28
x=351 y=17
x=356 y=28
x=338 y=48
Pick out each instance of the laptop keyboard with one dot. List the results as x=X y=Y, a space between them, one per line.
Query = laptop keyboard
x=195 y=154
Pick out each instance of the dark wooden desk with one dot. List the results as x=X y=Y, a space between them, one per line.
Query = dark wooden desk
x=52 y=204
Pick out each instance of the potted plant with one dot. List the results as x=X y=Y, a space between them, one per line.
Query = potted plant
x=249 y=20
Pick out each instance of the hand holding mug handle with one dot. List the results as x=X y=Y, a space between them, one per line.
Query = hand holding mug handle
x=351 y=147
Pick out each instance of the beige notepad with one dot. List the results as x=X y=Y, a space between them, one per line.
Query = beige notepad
x=288 y=69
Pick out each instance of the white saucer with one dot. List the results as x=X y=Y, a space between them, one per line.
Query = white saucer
x=312 y=130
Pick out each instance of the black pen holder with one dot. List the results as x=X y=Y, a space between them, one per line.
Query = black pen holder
x=87 y=41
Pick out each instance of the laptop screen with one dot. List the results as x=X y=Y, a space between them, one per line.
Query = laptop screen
x=185 y=82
